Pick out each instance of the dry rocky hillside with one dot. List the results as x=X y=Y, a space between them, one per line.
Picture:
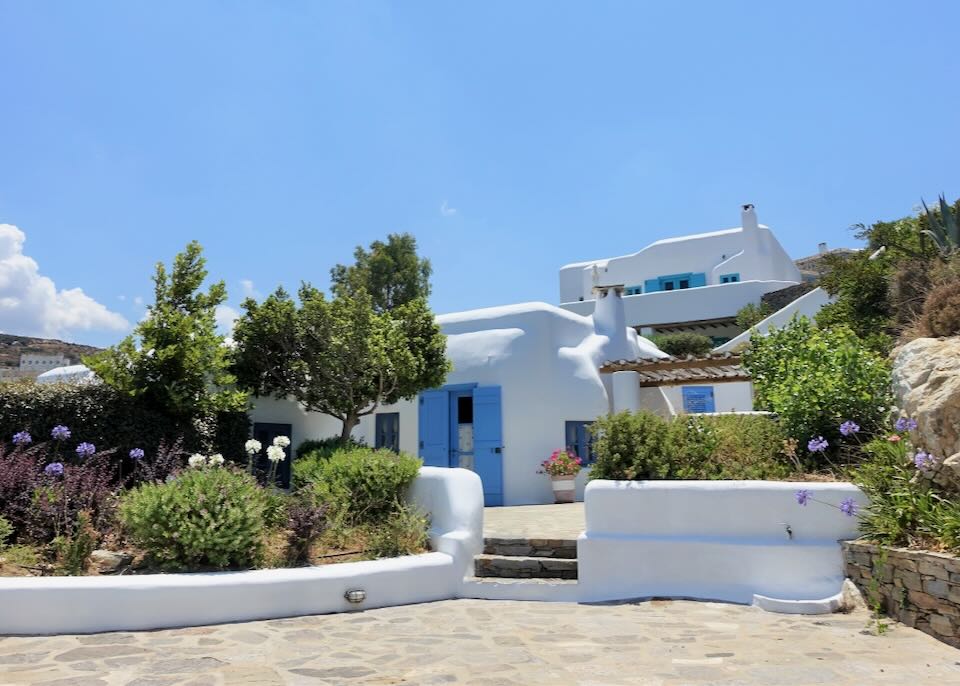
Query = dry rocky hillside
x=11 y=346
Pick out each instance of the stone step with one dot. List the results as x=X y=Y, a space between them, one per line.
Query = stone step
x=531 y=547
x=516 y=567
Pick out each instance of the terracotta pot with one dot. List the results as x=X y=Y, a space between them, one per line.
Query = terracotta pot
x=564 y=488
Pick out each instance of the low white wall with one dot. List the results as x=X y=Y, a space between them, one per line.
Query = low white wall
x=53 y=605
x=714 y=540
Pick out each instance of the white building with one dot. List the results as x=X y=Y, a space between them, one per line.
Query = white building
x=525 y=382
x=41 y=362
x=692 y=283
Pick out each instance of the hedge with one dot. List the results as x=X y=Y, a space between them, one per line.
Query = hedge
x=105 y=417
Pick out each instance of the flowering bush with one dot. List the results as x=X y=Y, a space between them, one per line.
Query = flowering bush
x=561 y=463
x=203 y=518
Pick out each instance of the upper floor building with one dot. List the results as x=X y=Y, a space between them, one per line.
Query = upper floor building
x=689 y=283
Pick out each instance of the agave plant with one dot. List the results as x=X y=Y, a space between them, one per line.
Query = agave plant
x=943 y=229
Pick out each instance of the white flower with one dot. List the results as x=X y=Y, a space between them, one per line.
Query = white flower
x=281 y=441
x=216 y=459
x=197 y=460
x=252 y=446
x=275 y=453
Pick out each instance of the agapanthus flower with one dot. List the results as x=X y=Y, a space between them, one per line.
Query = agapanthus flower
x=197 y=460
x=275 y=453
x=136 y=454
x=22 y=438
x=215 y=459
x=252 y=446
x=848 y=507
x=281 y=441
x=86 y=449
x=803 y=495
x=818 y=444
x=848 y=428
x=60 y=433
x=923 y=460
x=905 y=424
x=54 y=469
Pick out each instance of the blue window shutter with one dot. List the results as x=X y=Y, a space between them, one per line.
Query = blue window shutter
x=651 y=285
x=434 y=423
x=697 y=280
x=488 y=442
x=698 y=399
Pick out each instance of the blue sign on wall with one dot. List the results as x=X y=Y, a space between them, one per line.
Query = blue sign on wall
x=698 y=399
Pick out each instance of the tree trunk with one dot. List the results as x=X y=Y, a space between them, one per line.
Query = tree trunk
x=348 y=424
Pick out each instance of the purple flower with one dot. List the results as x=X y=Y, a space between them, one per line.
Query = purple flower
x=923 y=460
x=803 y=496
x=136 y=454
x=22 y=438
x=849 y=428
x=818 y=444
x=905 y=424
x=86 y=449
x=54 y=469
x=60 y=433
x=848 y=507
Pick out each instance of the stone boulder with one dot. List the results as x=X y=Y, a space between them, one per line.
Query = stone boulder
x=926 y=385
x=109 y=561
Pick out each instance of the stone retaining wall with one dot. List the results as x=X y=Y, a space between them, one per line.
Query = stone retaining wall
x=919 y=588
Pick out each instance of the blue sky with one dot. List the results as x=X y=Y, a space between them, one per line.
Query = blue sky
x=509 y=138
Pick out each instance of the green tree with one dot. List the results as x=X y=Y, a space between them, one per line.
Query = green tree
x=682 y=344
x=752 y=314
x=343 y=356
x=815 y=379
x=391 y=273
x=175 y=361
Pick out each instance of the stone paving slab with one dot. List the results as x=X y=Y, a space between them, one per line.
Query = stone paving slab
x=491 y=643
x=558 y=522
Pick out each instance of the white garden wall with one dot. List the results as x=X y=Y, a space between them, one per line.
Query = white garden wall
x=53 y=605
x=715 y=540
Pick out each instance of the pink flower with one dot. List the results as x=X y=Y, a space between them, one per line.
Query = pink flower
x=894 y=438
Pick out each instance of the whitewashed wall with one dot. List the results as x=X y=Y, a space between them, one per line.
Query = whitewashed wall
x=737 y=541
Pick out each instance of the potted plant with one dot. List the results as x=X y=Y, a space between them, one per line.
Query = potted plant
x=562 y=466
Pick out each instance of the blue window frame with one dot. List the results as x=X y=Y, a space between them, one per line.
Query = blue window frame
x=633 y=290
x=578 y=439
x=676 y=282
x=730 y=278
x=387 y=431
x=698 y=399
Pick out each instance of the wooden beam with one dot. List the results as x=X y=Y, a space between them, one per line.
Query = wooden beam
x=680 y=382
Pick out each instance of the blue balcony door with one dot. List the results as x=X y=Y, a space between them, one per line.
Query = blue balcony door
x=462 y=426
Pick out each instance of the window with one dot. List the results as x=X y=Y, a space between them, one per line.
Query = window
x=633 y=290
x=674 y=282
x=698 y=399
x=579 y=440
x=730 y=278
x=668 y=286
x=684 y=283
x=387 y=431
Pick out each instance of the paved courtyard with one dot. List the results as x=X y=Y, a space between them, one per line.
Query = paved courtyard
x=497 y=642
x=564 y=522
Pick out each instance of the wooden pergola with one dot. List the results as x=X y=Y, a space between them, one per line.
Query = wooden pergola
x=677 y=371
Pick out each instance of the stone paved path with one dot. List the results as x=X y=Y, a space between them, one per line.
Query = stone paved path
x=497 y=642
x=534 y=521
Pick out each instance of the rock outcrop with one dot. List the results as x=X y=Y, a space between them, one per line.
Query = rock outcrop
x=926 y=385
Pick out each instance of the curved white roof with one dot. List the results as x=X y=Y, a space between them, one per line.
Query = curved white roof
x=74 y=373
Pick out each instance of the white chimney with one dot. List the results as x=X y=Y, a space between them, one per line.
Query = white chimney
x=610 y=320
x=822 y=248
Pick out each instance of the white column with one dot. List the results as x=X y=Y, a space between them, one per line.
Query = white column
x=626 y=391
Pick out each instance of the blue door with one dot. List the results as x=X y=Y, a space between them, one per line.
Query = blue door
x=434 y=423
x=488 y=442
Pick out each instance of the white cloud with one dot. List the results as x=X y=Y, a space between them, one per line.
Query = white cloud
x=138 y=301
x=226 y=316
x=447 y=211
x=31 y=305
x=248 y=290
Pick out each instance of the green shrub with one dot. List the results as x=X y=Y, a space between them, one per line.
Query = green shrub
x=325 y=447
x=682 y=344
x=205 y=517
x=815 y=379
x=403 y=533
x=361 y=484
x=752 y=314
x=903 y=510
x=110 y=418
x=6 y=532
x=645 y=446
x=74 y=549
